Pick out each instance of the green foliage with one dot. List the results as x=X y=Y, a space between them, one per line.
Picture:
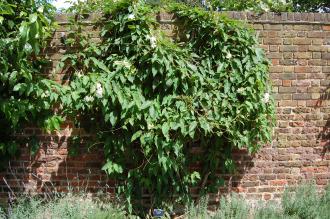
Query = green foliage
x=231 y=207
x=304 y=202
x=73 y=207
x=311 y=6
x=24 y=28
x=151 y=99
x=148 y=99
x=264 y=5
x=244 y=5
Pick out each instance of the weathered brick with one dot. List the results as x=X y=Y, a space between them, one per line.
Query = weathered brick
x=316 y=34
x=317 y=41
x=326 y=55
x=286 y=83
x=269 y=41
x=326 y=27
x=302 y=55
x=302 y=41
x=301 y=96
x=317 y=48
x=287 y=41
x=289 y=48
x=287 y=89
x=316 y=55
x=273 y=27
x=287 y=76
x=301 y=83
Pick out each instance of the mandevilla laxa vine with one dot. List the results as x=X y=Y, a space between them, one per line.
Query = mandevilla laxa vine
x=151 y=99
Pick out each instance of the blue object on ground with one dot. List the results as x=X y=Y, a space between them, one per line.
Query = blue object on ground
x=158 y=213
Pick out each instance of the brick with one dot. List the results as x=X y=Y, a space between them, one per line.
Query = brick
x=288 y=103
x=317 y=41
x=303 y=48
x=301 y=96
x=307 y=69
x=289 y=49
x=303 y=27
x=286 y=83
x=287 y=89
x=272 y=41
x=301 y=83
x=289 y=34
x=317 y=48
x=287 y=55
x=282 y=96
x=302 y=55
x=287 y=41
x=275 y=69
x=273 y=48
x=317 y=62
x=326 y=55
x=287 y=76
x=303 y=41
x=272 y=27
x=316 y=34
x=316 y=55
x=288 y=62
x=326 y=27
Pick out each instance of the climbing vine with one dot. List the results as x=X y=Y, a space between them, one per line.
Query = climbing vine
x=152 y=99
x=24 y=27
x=149 y=99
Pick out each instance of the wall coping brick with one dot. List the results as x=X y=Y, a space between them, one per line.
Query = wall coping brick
x=251 y=17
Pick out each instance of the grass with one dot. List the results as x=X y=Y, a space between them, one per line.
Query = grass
x=303 y=202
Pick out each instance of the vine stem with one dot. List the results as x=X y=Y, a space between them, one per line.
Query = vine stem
x=203 y=185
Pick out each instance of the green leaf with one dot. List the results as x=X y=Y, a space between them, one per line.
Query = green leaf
x=100 y=65
x=165 y=130
x=192 y=128
x=33 y=18
x=136 y=135
x=112 y=168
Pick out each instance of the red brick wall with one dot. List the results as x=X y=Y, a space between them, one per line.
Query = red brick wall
x=298 y=45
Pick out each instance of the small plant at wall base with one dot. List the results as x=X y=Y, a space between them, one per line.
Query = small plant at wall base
x=151 y=99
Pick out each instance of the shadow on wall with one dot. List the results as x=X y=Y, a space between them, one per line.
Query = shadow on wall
x=54 y=169
x=324 y=135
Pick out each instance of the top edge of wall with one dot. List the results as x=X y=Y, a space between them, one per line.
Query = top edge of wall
x=251 y=17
